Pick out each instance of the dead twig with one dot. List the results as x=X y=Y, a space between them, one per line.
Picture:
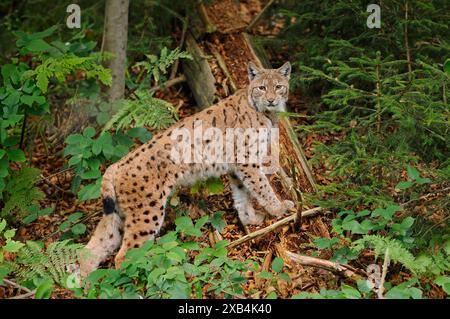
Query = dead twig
x=426 y=196
x=264 y=267
x=341 y=269
x=224 y=68
x=15 y=285
x=386 y=262
x=268 y=229
x=255 y=21
x=174 y=70
x=168 y=84
x=25 y=296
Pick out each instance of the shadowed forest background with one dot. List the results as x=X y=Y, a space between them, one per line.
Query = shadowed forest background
x=365 y=150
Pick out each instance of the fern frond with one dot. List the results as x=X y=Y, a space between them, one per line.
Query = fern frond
x=52 y=263
x=60 y=67
x=157 y=65
x=397 y=252
x=145 y=111
x=22 y=192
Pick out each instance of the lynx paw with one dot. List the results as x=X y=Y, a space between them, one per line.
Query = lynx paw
x=285 y=206
x=288 y=204
x=256 y=219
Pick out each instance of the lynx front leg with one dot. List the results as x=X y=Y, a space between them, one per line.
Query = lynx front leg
x=258 y=185
x=242 y=203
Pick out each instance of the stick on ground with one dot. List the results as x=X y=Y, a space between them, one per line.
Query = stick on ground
x=268 y=229
x=341 y=269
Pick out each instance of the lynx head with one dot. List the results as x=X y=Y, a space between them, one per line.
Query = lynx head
x=269 y=88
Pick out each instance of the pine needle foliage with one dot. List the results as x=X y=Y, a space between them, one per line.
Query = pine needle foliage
x=384 y=90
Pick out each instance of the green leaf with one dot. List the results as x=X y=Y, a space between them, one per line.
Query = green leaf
x=13 y=246
x=75 y=216
x=9 y=233
x=201 y=222
x=93 y=174
x=422 y=181
x=38 y=45
x=350 y=292
x=354 y=227
x=285 y=277
x=16 y=155
x=44 y=290
x=91 y=191
x=89 y=132
x=141 y=133
x=272 y=295
x=443 y=281
x=183 y=222
x=190 y=245
x=2 y=225
x=265 y=275
x=413 y=173
x=174 y=256
x=403 y=185
x=363 y=286
x=74 y=139
x=325 y=243
x=12 y=99
x=214 y=186
x=447 y=66
x=277 y=264
x=217 y=221
x=79 y=229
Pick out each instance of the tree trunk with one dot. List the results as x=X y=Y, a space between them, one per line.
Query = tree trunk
x=115 y=41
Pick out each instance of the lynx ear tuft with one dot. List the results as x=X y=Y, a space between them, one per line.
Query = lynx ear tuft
x=252 y=70
x=285 y=70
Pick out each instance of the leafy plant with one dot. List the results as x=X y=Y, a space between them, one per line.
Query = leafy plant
x=72 y=226
x=276 y=275
x=88 y=154
x=171 y=268
x=414 y=178
x=11 y=246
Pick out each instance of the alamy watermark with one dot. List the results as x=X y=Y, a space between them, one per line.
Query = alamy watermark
x=74 y=19
x=234 y=146
x=374 y=19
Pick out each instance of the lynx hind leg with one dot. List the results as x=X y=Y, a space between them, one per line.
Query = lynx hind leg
x=105 y=241
x=142 y=223
x=243 y=205
x=259 y=187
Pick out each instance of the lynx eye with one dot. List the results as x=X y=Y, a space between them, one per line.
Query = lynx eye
x=262 y=88
x=278 y=87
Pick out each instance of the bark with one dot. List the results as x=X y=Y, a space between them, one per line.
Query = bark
x=115 y=41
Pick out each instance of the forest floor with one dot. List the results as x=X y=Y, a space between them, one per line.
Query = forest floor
x=56 y=184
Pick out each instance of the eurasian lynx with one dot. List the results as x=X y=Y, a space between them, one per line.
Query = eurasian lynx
x=136 y=188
